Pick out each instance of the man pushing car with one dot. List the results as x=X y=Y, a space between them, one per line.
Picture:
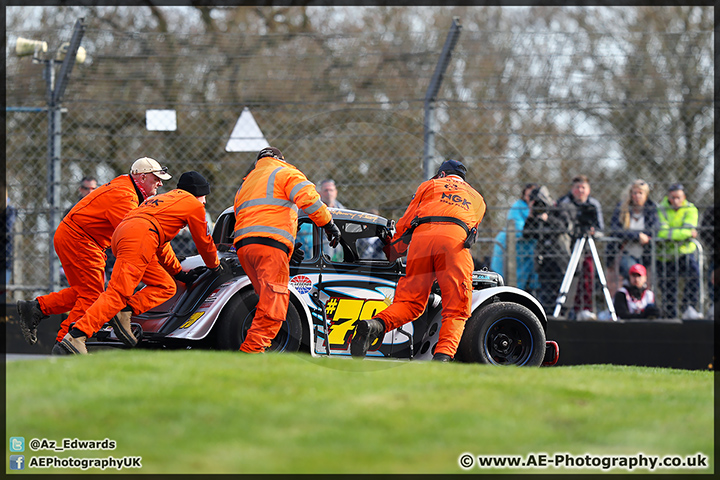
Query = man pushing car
x=442 y=219
x=141 y=244
x=265 y=227
x=80 y=242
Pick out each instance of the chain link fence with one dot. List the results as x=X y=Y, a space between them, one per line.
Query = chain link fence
x=514 y=107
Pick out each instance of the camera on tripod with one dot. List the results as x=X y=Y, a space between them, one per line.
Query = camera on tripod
x=586 y=218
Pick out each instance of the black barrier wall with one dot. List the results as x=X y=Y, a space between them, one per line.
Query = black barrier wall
x=653 y=343
x=659 y=343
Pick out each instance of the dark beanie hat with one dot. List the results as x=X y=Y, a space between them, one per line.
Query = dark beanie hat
x=194 y=183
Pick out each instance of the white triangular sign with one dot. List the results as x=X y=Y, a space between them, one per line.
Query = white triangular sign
x=246 y=136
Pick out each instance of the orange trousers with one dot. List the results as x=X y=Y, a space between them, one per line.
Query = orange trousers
x=268 y=269
x=84 y=264
x=135 y=246
x=434 y=254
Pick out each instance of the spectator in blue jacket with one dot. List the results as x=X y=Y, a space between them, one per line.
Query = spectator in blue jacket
x=524 y=247
x=635 y=222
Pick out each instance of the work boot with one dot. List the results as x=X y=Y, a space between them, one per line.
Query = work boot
x=366 y=332
x=71 y=346
x=121 y=326
x=442 y=357
x=30 y=316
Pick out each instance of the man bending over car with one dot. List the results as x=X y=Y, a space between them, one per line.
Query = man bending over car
x=442 y=218
x=141 y=244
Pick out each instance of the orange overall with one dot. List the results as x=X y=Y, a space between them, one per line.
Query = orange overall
x=80 y=242
x=437 y=252
x=141 y=244
x=265 y=227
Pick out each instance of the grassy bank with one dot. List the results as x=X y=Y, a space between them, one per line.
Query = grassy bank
x=222 y=412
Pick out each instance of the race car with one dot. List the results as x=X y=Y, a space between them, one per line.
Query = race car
x=330 y=291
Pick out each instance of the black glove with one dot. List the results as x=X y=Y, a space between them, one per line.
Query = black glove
x=333 y=233
x=298 y=254
x=224 y=269
x=188 y=277
x=384 y=234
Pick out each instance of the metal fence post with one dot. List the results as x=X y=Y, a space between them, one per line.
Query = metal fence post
x=55 y=92
x=510 y=254
x=431 y=96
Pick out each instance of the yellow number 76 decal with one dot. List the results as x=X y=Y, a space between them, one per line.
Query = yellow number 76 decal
x=344 y=313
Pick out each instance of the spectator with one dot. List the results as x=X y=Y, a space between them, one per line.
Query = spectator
x=328 y=193
x=634 y=222
x=706 y=234
x=710 y=314
x=676 y=255
x=87 y=185
x=635 y=299
x=548 y=226
x=585 y=215
x=518 y=213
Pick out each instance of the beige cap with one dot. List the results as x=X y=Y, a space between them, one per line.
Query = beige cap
x=149 y=165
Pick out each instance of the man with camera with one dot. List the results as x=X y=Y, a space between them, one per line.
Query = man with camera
x=548 y=225
x=585 y=214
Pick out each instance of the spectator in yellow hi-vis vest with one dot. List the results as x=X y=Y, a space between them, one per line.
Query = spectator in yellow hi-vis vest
x=676 y=255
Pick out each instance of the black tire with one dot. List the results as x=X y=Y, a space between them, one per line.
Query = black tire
x=237 y=316
x=503 y=333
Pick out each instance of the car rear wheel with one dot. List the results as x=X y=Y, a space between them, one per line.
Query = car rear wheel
x=503 y=333
x=237 y=316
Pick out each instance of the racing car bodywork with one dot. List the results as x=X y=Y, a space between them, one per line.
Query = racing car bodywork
x=330 y=291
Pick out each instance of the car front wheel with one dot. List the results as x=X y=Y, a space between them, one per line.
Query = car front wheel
x=503 y=333
x=237 y=317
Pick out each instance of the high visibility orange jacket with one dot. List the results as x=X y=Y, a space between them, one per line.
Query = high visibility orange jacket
x=267 y=202
x=169 y=213
x=448 y=196
x=101 y=211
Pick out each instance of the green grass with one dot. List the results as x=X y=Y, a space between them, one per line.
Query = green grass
x=223 y=412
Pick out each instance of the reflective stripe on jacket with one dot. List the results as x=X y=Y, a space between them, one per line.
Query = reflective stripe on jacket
x=676 y=225
x=101 y=211
x=267 y=203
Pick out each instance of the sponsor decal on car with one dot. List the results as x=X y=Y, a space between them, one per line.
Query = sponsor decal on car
x=301 y=283
x=193 y=318
x=210 y=299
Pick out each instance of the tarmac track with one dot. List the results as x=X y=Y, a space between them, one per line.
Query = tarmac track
x=12 y=357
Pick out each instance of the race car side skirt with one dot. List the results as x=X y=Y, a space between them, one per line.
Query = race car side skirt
x=207 y=314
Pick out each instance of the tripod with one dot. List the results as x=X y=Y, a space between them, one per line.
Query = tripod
x=570 y=272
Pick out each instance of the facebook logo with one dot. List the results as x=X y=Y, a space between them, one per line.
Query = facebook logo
x=17 y=444
x=17 y=462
